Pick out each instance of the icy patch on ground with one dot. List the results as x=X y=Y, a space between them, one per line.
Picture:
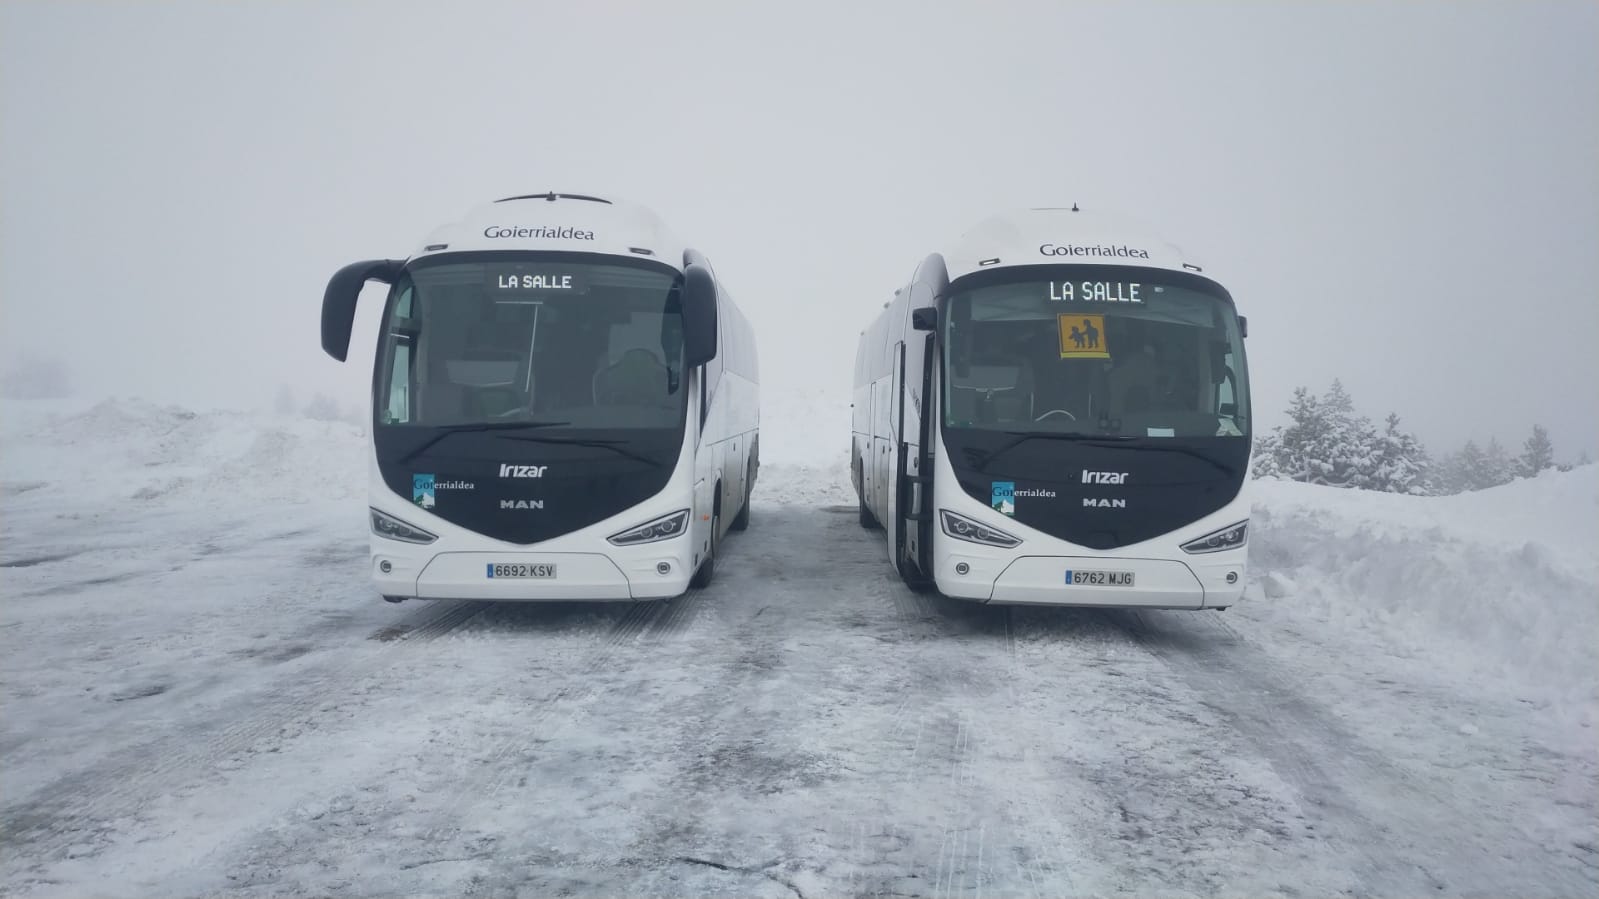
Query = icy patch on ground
x=1498 y=587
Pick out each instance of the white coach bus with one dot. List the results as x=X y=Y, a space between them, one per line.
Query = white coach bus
x=1056 y=411
x=565 y=406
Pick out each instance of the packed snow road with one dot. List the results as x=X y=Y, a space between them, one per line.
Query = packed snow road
x=220 y=705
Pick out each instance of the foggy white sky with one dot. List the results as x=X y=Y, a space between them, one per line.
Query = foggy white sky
x=1403 y=195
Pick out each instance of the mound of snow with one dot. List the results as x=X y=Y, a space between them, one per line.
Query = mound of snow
x=808 y=429
x=139 y=452
x=805 y=485
x=1502 y=584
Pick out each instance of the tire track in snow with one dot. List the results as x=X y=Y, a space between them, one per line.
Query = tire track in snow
x=467 y=772
x=678 y=618
x=1050 y=867
x=495 y=770
x=959 y=865
x=430 y=624
x=1400 y=843
x=82 y=811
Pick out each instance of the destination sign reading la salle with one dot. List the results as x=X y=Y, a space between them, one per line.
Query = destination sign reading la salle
x=536 y=282
x=1096 y=291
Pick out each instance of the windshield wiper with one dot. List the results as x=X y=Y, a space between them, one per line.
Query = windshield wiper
x=1024 y=436
x=1118 y=441
x=1159 y=447
x=450 y=430
x=578 y=441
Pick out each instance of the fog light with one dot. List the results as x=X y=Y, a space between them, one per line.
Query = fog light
x=385 y=566
x=663 y=567
x=962 y=568
x=1232 y=577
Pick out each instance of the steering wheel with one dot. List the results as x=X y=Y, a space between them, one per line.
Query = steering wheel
x=1056 y=412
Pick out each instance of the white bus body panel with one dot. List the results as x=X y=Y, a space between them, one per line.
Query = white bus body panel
x=1046 y=236
x=615 y=228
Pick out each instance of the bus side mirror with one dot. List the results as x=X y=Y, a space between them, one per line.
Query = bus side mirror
x=338 y=301
x=699 y=316
x=1243 y=326
x=925 y=319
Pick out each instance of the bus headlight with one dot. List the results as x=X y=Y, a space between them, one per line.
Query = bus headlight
x=665 y=527
x=386 y=525
x=963 y=528
x=1229 y=537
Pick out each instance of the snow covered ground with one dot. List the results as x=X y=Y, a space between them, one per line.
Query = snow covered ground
x=201 y=695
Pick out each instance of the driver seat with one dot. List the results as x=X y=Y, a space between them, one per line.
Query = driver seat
x=1132 y=383
x=636 y=379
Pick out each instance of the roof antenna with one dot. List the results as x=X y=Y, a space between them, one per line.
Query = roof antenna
x=1074 y=206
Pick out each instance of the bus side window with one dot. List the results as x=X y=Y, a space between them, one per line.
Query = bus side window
x=401 y=376
x=399 y=409
x=1226 y=399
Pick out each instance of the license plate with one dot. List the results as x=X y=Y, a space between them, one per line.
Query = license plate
x=521 y=569
x=1100 y=578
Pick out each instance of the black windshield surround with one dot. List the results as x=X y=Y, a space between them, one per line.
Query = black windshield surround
x=1119 y=467
x=561 y=427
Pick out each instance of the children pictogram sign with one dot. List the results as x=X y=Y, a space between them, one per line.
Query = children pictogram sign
x=1082 y=336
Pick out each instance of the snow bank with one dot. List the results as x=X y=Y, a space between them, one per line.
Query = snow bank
x=805 y=485
x=138 y=452
x=809 y=428
x=1502 y=584
x=128 y=452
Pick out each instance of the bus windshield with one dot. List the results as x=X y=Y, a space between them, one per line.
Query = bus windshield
x=1086 y=354
x=524 y=339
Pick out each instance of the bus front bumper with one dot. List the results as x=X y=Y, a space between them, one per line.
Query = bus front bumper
x=531 y=577
x=1069 y=581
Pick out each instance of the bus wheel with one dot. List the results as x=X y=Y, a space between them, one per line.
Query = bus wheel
x=707 y=569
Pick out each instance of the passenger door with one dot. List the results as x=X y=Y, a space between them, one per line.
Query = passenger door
x=895 y=415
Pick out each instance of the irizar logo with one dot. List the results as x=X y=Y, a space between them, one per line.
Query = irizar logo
x=521 y=503
x=523 y=471
x=559 y=233
x=1104 y=477
x=1090 y=502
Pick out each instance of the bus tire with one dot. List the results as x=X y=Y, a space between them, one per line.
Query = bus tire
x=707 y=570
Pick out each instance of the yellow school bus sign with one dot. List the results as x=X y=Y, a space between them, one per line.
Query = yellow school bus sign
x=1082 y=336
